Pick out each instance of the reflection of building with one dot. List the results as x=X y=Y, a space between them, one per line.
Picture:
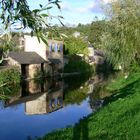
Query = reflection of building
x=45 y=103
x=34 y=87
x=39 y=98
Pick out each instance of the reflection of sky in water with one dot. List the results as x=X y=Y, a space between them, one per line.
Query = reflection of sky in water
x=19 y=121
x=15 y=124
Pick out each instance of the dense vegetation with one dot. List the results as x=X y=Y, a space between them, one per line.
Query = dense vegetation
x=77 y=66
x=119 y=38
x=75 y=46
x=8 y=78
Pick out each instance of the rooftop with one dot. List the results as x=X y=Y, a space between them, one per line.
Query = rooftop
x=26 y=57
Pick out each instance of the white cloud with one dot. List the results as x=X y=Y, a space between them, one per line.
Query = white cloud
x=92 y=5
x=65 y=6
x=81 y=10
x=87 y=8
x=108 y=1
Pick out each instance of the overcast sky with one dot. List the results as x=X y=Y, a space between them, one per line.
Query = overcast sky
x=76 y=11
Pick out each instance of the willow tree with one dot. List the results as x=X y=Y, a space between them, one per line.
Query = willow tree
x=121 y=41
x=13 y=12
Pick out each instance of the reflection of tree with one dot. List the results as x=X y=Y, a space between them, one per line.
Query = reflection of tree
x=99 y=92
x=75 y=82
x=75 y=96
x=76 y=91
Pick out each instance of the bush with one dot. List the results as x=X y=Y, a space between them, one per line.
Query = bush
x=9 y=78
x=77 y=66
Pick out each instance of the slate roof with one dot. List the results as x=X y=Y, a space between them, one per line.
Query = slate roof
x=27 y=57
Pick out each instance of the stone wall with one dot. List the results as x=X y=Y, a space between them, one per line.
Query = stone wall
x=34 y=70
x=12 y=62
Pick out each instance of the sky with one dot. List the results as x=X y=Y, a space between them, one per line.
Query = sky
x=75 y=11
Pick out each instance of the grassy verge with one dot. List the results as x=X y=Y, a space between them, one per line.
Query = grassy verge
x=118 y=119
x=120 y=82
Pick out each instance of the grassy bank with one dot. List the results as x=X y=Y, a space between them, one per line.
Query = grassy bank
x=118 y=119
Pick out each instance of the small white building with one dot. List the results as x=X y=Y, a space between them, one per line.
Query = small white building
x=76 y=34
x=52 y=52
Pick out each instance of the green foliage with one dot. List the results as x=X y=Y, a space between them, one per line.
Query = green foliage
x=75 y=46
x=7 y=43
x=9 y=75
x=77 y=66
x=118 y=119
x=121 y=41
x=97 y=28
x=77 y=90
x=9 y=78
x=18 y=11
x=120 y=82
x=83 y=29
x=75 y=96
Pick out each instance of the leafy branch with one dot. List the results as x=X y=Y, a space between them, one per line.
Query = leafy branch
x=18 y=12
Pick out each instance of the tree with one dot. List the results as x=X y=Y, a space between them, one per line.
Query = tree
x=76 y=46
x=121 y=40
x=18 y=11
x=97 y=28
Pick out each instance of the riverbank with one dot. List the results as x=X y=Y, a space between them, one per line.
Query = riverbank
x=117 y=119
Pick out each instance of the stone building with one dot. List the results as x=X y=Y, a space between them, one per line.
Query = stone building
x=29 y=63
x=52 y=52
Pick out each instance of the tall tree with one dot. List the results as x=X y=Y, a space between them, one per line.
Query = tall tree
x=121 y=41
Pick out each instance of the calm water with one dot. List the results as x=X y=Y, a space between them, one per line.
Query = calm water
x=37 y=109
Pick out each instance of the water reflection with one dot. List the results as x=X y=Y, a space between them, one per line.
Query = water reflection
x=46 y=105
x=39 y=98
x=50 y=95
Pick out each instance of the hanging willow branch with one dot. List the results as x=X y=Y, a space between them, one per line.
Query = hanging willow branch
x=18 y=11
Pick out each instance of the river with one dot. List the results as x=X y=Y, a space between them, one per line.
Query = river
x=42 y=106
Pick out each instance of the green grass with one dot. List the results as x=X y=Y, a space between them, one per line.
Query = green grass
x=121 y=82
x=118 y=119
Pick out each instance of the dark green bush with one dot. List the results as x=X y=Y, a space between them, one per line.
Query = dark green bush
x=77 y=66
